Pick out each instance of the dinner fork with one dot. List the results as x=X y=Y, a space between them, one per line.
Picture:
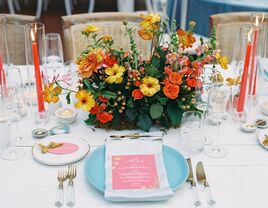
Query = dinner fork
x=72 y=170
x=62 y=176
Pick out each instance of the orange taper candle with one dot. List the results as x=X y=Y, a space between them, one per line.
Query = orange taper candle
x=40 y=98
x=243 y=87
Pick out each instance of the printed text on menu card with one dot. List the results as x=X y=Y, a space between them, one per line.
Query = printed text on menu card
x=134 y=172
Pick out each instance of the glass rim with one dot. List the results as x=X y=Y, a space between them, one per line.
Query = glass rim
x=39 y=26
x=52 y=36
x=192 y=111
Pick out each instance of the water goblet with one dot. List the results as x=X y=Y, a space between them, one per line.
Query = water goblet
x=217 y=112
x=192 y=138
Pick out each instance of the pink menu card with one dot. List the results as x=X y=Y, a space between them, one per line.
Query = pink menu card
x=134 y=172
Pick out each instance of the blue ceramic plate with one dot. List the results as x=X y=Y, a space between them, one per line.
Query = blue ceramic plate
x=176 y=166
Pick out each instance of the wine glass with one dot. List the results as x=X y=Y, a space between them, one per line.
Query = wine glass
x=192 y=137
x=201 y=98
x=8 y=152
x=15 y=102
x=53 y=56
x=217 y=112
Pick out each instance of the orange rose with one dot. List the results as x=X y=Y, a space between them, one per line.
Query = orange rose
x=104 y=117
x=171 y=91
x=175 y=78
x=166 y=81
x=145 y=34
x=137 y=94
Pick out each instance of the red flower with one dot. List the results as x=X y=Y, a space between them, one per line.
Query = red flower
x=94 y=110
x=186 y=70
x=137 y=83
x=103 y=106
x=193 y=82
x=104 y=117
x=110 y=60
x=137 y=94
x=103 y=99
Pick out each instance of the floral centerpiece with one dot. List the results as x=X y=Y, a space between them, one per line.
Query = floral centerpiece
x=120 y=89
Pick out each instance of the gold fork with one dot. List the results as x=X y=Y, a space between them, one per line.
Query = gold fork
x=72 y=170
x=62 y=176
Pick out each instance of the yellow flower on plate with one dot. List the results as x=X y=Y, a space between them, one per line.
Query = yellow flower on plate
x=149 y=86
x=150 y=21
x=51 y=93
x=231 y=81
x=223 y=60
x=91 y=29
x=85 y=100
x=115 y=74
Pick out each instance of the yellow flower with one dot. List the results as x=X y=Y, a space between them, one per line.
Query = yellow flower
x=231 y=81
x=51 y=94
x=107 y=38
x=223 y=60
x=149 y=86
x=91 y=29
x=150 y=21
x=145 y=34
x=115 y=74
x=85 y=100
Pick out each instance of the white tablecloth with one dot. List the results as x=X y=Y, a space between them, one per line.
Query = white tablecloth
x=238 y=180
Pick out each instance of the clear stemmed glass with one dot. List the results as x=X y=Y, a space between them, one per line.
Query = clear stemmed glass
x=201 y=98
x=218 y=102
x=15 y=102
x=53 y=56
x=10 y=153
x=192 y=137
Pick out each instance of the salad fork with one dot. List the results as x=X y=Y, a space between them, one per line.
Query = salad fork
x=72 y=170
x=62 y=176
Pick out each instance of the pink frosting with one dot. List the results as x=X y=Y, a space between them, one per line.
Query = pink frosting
x=65 y=148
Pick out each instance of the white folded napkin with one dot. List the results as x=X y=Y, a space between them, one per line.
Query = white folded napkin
x=135 y=171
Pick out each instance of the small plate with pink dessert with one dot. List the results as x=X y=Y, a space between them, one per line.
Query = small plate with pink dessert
x=60 y=149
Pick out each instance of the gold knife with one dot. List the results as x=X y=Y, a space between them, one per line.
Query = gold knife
x=191 y=180
x=201 y=178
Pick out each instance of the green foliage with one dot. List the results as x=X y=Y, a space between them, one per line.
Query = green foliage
x=116 y=118
x=156 y=110
x=152 y=71
x=68 y=97
x=144 y=122
x=91 y=120
x=174 y=113
x=131 y=114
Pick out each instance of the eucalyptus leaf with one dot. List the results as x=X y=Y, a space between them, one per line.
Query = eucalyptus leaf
x=156 y=110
